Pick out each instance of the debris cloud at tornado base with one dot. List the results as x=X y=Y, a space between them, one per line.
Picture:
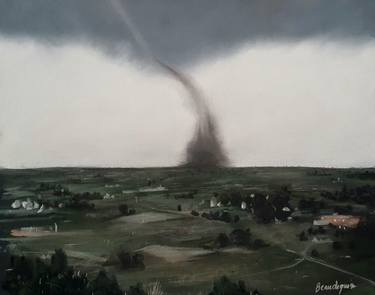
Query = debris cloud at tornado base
x=205 y=149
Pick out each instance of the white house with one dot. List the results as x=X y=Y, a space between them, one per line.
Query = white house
x=243 y=205
x=107 y=196
x=16 y=204
x=28 y=204
x=213 y=202
x=36 y=205
x=41 y=209
x=320 y=222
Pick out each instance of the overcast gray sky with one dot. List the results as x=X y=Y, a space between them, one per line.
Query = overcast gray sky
x=290 y=82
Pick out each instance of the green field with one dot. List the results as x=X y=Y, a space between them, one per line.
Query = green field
x=172 y=241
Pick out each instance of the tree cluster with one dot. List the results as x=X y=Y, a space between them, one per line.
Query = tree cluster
x=2 y=185
x=362 y=240
x=366 y=175
x=264 y=207
x=224 y=286
x=239 y=238
x=364 y=195
x=33 y=276
x=125 y=210
x=267 y=208
x=87 y=196
x=221 y=215
x=125 y=259
x=311 y=204
x=29 y=275
x=78 y=204
x=188 y=195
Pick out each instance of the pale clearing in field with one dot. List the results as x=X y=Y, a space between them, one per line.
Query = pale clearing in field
x=148 y=217
x=175 y=254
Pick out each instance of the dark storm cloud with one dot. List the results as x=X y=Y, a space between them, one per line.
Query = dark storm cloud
x=181 y=31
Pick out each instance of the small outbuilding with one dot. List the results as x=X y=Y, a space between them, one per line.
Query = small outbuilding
x=320 y=222
x=213 y=202
x=16 y=204
x=243 y=205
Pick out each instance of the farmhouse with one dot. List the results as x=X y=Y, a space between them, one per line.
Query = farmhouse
x=342 y=221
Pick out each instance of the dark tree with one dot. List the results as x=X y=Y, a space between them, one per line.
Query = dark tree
x=336 y=245
x=59 y=262
x=224 y=286
x=302 y=236
x=2 y=185
x=128 y=260
x=136 y=290
x=222 y=241
x=124 y=209
x=29 y=275
x=259 y=243
x=321 y=230
x=105 y=285
x=314 y=253
x=352 y=245
x=263 y=209
x=240 y=237
x=194 y=213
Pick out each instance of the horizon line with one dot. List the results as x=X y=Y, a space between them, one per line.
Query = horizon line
x=181 y=167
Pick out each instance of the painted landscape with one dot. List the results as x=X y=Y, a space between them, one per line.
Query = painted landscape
x=163 y=147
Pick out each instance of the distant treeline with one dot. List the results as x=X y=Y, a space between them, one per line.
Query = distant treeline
x=367 y=175
x=364 y=195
